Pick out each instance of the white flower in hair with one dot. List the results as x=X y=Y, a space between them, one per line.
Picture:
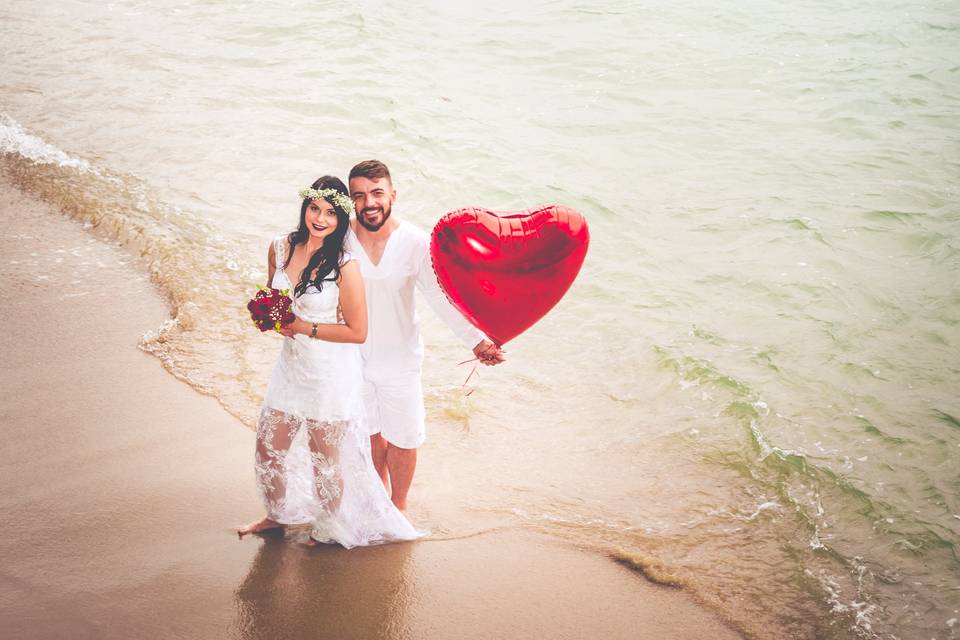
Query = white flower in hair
x=330 y=195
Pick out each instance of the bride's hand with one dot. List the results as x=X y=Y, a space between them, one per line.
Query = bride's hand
x=295 y=327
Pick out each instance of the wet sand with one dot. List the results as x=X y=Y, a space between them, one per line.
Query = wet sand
x=121 y=487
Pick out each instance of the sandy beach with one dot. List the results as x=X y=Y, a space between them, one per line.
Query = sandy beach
x=122 y=486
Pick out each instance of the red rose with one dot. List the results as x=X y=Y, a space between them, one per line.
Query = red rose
x=268 y=307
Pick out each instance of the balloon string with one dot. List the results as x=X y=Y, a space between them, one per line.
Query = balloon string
x=473 y=371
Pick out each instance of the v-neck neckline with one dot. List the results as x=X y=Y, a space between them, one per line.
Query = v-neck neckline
x=283 y=269
x=386 y=246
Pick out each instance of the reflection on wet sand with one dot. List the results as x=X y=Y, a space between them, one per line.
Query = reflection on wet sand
x=514 y=584
x=293 y=591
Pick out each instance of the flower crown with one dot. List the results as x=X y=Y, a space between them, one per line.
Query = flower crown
x=337 y=198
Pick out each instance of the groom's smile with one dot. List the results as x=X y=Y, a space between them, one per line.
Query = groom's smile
x=373 y=217
x=373 y=201
x=370 y=213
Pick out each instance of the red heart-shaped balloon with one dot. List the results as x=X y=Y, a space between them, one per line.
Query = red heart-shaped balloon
x=505 y=270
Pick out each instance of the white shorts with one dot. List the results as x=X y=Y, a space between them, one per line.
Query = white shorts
x=395 y=410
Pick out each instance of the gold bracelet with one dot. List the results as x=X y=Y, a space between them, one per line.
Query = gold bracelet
x=313 y=334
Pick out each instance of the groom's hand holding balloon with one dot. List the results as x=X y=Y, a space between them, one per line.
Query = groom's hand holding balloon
x=488 y=353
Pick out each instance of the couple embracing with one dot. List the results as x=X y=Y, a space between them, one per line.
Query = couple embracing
x=343 y=414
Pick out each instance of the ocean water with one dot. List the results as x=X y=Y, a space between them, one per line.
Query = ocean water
x=750 y=392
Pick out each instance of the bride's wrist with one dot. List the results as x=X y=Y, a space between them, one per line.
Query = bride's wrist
x=300 y=326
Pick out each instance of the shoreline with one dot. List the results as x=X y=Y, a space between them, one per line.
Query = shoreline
x=125 y=483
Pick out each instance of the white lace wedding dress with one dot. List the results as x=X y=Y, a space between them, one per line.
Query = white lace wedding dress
x=313 y=461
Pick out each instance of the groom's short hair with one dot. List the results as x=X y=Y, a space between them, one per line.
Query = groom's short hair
x=371 y=170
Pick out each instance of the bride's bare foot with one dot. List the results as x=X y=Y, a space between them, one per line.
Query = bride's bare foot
x=310 y=542
x=258 y=527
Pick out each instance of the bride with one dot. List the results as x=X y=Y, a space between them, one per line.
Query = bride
x=313 y=461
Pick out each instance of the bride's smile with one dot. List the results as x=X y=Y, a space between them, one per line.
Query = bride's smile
x=321 y=219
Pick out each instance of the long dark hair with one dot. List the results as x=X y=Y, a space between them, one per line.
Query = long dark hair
x=326 y=259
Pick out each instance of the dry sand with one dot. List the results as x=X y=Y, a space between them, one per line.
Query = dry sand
x=121 y=487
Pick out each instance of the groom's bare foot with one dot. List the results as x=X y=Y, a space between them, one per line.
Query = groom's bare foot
x=258 y=527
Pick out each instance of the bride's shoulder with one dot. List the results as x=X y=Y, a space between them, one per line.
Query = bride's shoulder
x=280 y=243
x=277 y=251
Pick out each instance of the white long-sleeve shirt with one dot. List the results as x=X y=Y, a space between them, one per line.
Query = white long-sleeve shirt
x=393 y=343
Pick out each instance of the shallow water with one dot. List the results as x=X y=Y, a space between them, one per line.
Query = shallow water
x=752 y=386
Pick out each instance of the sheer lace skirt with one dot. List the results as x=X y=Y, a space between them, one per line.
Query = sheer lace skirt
x=298 y=469
x=312 y=458
x=319 y=472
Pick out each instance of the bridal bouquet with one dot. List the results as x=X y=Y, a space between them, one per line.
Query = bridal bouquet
x=270 y=309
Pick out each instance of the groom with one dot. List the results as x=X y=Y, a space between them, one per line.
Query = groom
x=394 y=259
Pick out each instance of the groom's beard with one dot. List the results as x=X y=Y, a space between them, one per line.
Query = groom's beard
x=378 y=217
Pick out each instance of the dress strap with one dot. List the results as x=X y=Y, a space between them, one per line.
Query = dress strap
x=278 y=253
